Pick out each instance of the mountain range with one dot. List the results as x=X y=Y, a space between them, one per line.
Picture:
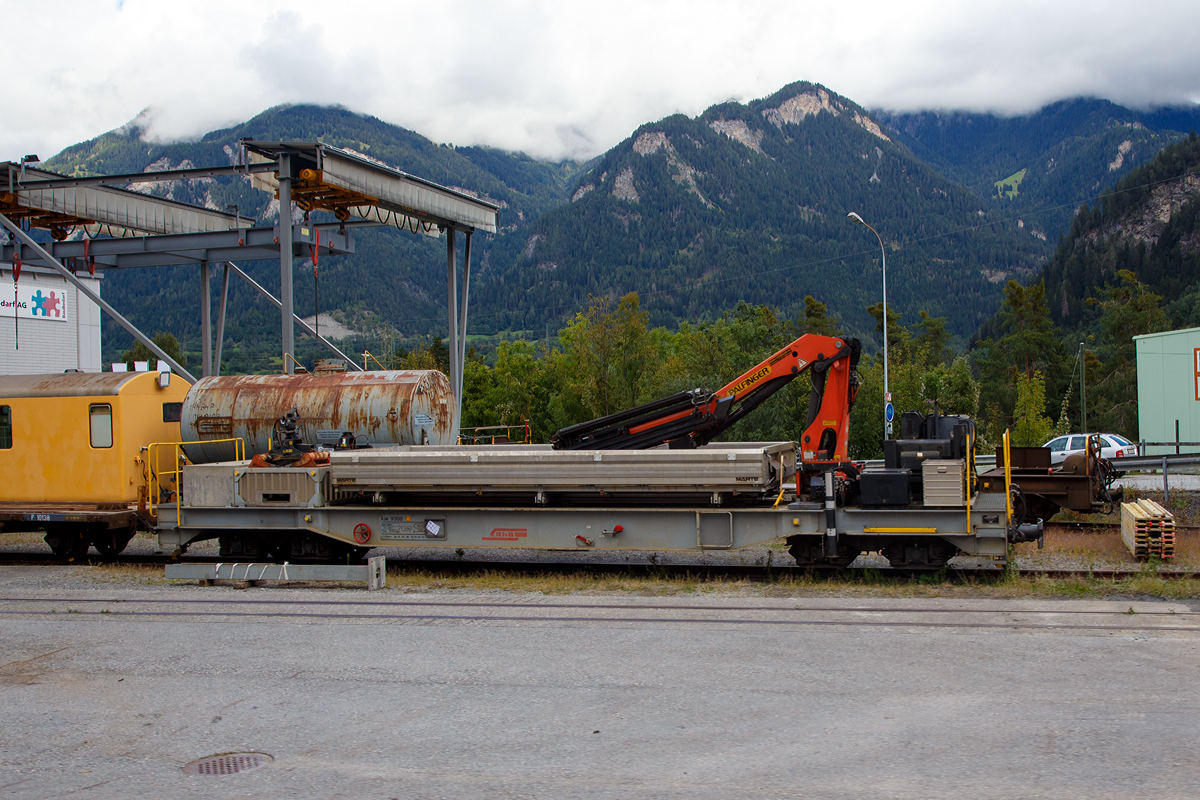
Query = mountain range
x=743 y=202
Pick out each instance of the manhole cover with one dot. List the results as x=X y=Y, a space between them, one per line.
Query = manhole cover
x=227 y=763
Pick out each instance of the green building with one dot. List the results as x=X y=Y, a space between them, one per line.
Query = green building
x=1168 y=372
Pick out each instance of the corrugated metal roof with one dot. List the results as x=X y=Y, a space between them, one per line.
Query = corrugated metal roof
x=69 y=384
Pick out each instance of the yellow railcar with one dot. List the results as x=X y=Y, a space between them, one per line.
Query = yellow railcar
x=71 y=449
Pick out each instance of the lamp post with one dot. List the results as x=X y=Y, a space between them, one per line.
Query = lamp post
x=887 y=396
x=1082 y=390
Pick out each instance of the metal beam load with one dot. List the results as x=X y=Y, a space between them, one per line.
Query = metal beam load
x=247 y=244
x=117 y=212
x=332 y=179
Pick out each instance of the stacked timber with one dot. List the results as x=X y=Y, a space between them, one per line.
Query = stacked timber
x=1148 y=529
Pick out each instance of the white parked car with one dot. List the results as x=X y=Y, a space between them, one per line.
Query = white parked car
x=1112 y=446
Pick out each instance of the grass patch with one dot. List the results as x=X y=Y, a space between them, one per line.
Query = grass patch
x=858 y=583
x=1089 y=548
x=24 y=537
x=581 y=582
x=136 y=574
x=866 y=583
x=1010 y=187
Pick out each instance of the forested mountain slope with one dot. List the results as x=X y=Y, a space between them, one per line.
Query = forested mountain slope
x=749 y=203
x=743 y=203
x=1045 y=164
x=1148 y=225
x=1129 y=266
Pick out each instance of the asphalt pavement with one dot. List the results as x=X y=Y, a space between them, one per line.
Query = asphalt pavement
x=108 y=691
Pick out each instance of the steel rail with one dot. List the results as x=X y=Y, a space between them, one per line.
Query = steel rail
x=591 y=606
x=240 y=615
x=1105 y=527
x=755 y=572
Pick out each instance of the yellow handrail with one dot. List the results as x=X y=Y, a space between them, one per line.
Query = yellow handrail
x=970 y=476
x=154 y=473
x=367 y=353
x=286 y=356
x=1008 y=477
x=474 y=435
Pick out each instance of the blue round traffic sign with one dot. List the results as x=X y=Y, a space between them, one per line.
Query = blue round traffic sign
x=889 y=412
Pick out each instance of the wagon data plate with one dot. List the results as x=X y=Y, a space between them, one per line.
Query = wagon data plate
x=400 y=527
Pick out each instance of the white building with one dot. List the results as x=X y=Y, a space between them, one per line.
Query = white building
x=55 y=328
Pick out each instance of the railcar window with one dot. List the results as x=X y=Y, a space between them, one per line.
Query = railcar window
x=172 y=412
x=5 y=427
x=101 y=425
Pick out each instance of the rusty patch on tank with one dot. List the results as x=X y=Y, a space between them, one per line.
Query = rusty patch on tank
x=379 y=406
x=214 y=427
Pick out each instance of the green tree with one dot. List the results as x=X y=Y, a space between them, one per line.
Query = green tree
x=1063 y=425
x=1031 y=426
x=432 y=355
x=898 y=339
x=1128 y=309
x=614 y=357
x=953 y=388
x=517 y=394
x=815 y=318
x=166 y=341
x=930 y=335
x=1029 y=345
x=479 y=400
x=638 y=350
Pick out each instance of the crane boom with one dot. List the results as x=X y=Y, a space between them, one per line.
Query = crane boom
x=693 y=418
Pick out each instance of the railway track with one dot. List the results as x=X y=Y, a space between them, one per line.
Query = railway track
x=749 y=572
x=1103 y=527
x=693 y=614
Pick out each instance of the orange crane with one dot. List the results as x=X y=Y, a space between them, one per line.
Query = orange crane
x=693 y=418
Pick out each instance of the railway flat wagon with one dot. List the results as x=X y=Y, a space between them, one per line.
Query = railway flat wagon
x=72 y=448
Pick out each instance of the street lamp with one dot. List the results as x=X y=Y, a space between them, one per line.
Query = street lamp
x=887 y=396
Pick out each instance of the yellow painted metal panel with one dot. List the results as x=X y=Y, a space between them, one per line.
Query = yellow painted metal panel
x=899 y=530
x=51 y=458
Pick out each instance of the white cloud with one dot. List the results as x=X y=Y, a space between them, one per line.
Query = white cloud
x=566 y=79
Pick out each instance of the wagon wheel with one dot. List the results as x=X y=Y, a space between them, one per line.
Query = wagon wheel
x=112 y=542
x=70 y=545
x=809 y=551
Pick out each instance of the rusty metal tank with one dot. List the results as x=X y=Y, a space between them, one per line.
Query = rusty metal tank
x=382 y=408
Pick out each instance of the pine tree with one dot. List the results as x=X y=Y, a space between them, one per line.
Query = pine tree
x=1031 y=426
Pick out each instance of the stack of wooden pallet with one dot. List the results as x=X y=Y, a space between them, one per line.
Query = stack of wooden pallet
x=1148 y=529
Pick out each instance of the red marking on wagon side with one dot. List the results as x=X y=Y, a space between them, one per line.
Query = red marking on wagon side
x=506 y=534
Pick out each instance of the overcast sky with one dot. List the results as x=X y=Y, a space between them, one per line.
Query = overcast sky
x=560 y=79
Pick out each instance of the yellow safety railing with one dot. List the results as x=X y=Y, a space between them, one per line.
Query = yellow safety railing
x=366 y=355
x=970 y=476
x=154 y=473
x=296 y=363
x=480 y=435
x=1008 y=476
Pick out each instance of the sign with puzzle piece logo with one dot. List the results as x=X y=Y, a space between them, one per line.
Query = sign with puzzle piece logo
x=36 y=302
